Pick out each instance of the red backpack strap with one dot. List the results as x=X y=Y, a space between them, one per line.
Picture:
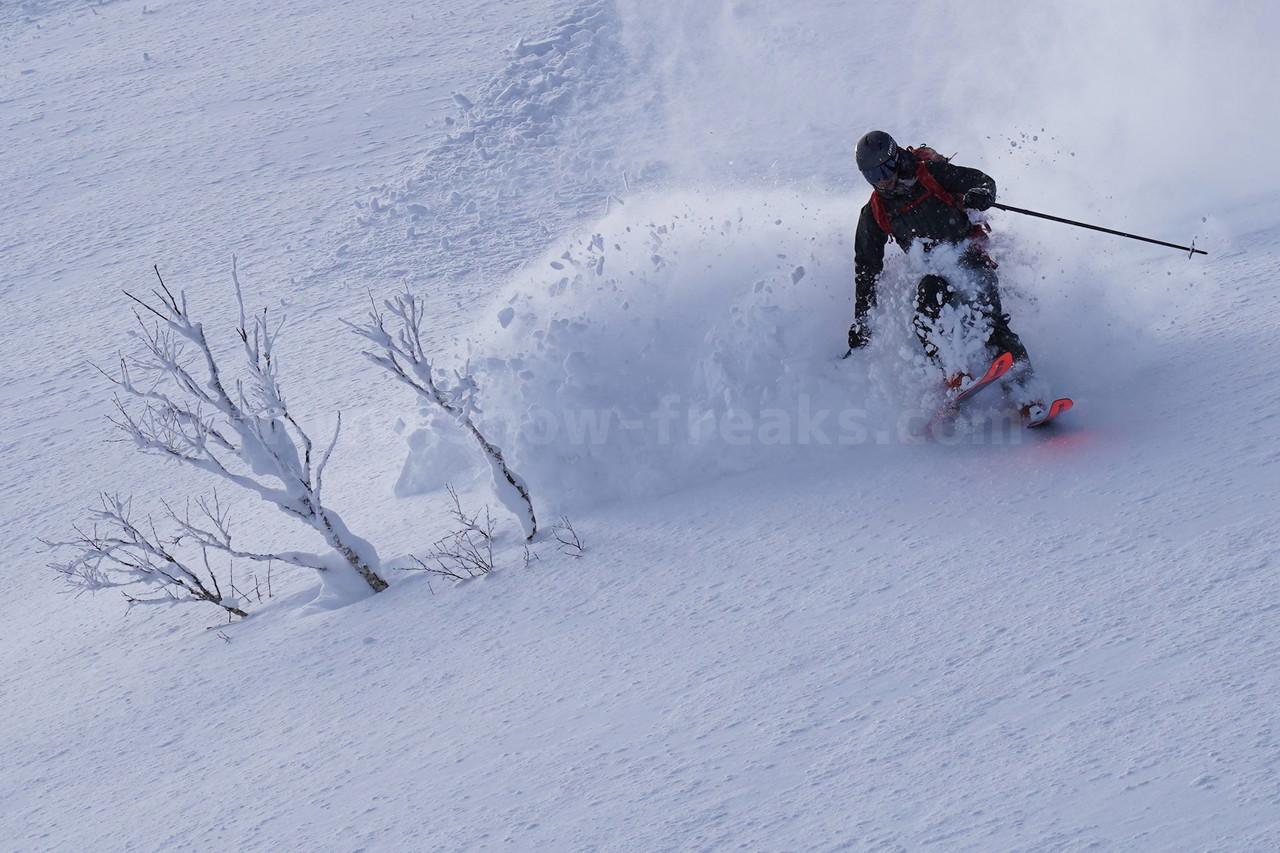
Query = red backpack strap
x=880 y=213
x=980 y=230
x=929 y=182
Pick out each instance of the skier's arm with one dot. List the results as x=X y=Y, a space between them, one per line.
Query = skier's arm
x=868 y=261
x=961 y=180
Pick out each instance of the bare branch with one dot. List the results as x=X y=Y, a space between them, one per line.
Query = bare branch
x=570 y=542
x=462 y=555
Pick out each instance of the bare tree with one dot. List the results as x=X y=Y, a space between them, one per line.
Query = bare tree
x=118 y=553
x=177 y=404
x=468 y=551
x=462 y=555
x=402 y=354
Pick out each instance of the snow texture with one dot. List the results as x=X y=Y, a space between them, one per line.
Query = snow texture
x=797 y=626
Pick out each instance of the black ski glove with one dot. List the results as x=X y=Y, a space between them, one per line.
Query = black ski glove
x=979 y=198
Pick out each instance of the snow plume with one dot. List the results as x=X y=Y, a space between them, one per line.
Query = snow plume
x=681 y=338
x=1086 y=101
x=688 y=336
x=1145 y=124
x=1124 y=115
x=1128 y=117
x=801 y=81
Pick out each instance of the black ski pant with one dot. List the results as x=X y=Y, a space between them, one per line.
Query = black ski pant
x=934 y=292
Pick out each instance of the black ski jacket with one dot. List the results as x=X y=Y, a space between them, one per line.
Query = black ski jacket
x=929 y=219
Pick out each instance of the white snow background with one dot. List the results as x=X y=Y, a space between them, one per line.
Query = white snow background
x=789 y=631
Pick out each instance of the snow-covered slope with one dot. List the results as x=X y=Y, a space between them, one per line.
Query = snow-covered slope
x=795 y=627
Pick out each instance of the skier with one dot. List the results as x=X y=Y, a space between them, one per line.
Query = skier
x=919 y=194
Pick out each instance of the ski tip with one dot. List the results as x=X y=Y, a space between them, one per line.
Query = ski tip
x=999 y=367
x=1057 y=407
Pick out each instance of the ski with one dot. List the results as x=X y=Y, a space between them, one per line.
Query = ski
x=1003 y=362
x=1056 y=408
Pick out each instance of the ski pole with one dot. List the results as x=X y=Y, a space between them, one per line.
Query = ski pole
x=1191 y=250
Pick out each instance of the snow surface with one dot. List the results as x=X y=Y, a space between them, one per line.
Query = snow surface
x=795 y=626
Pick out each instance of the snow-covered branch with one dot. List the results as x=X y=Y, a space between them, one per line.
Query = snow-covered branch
x=210 y=528
x=118 y=553
x=175 y=401
x=402 y=354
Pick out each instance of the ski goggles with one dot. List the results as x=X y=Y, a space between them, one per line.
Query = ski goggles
x=884 y=171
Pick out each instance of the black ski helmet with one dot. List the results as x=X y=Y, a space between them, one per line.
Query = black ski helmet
x=877 y=156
